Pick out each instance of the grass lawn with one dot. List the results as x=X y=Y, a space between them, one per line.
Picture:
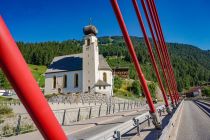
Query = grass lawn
x=5 y=99
x=38 y=72
x=124 y=92
x=114 y=62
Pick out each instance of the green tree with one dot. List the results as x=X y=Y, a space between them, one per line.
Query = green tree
x=206 y=91
x=180 y=85
x=152 y=88
x=3 y=81
x=117 y=82
x=136 y=88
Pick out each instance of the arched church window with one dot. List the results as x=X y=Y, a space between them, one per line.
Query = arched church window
x=54 y=81
x=104 y=77
x=65 y=81
x=76 y=80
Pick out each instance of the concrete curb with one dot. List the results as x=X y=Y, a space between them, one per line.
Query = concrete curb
x=176 y=126
x=171 y=130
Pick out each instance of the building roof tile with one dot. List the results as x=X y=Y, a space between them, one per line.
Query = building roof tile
x=73 y=63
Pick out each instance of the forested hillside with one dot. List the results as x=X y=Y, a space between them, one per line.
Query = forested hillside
x=191 y=64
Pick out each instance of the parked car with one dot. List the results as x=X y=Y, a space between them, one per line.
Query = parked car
x=6 y=93
x=2 y=92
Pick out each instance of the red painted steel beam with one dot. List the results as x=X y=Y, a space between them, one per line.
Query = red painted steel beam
x=164 y=49
x=167 y=60
x=157 y=48
x=170 y=88
x=165 y=46
x=133 y=54
x=27 y=89
x=152 y=57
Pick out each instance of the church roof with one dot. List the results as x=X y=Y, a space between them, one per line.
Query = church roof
x=101 y=83
x=73 y=63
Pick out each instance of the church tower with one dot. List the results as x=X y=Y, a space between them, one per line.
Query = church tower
x=90 y=59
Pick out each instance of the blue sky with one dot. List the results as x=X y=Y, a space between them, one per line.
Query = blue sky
x=183 y=21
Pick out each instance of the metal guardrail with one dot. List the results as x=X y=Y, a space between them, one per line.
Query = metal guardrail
x=116 y=132
x=204 y=106
x=22 y=123
x=204 y=102
x=68 y=116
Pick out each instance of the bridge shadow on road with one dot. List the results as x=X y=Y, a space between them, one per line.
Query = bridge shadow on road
x=154 y=133
x=149 y=133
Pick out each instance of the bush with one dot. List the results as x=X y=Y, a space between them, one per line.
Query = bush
x=206 y=91
x=27 y=128
x=136 y=88
x=4 y=110
x=48 y=96
x=8 y=130
x=152 y=89
x=123 y=94
x=118 y=82
x=132 y=72
x=1 y=121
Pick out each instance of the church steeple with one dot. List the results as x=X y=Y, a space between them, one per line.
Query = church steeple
x=90 y=58
x=90 y=30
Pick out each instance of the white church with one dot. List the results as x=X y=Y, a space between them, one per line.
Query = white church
x=87 y=72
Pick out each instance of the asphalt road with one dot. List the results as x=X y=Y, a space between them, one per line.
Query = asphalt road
x=195 y=124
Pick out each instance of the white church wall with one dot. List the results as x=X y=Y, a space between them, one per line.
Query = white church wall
x=104 y=90
x=108 y=89
x=59 y=82
x=48 y=85
x=109 y=75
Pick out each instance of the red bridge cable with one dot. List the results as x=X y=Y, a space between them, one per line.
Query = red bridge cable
x=164 y=48
x=133 y=54
x=27 y=89
x=161 y=33
x=162 y=52
x=152 y=57
x=157 y=48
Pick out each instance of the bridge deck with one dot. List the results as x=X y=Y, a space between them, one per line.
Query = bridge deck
x=195 y=124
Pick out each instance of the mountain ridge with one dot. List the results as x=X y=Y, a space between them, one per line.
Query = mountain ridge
x=191 y=64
